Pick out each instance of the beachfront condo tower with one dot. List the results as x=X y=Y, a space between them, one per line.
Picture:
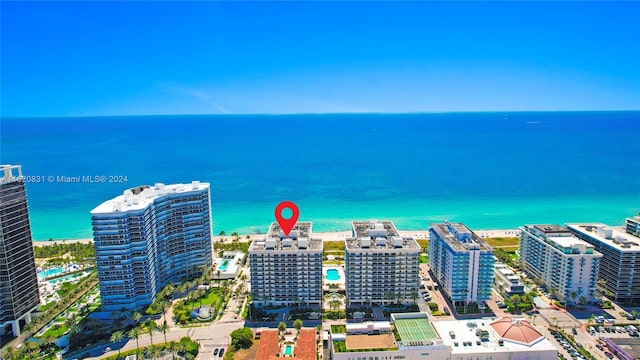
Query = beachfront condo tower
x=286 y=269
x=462 y=263
x=632 y=225
x=619 y=274
x=567 y=266
x=148 y=237
x=19 y=295
x=381 y=267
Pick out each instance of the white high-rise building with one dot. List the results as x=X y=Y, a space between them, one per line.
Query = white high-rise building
x=620 y=263
x=567 y=265
x=381 y=266
x=286 y=269
x=150 y=236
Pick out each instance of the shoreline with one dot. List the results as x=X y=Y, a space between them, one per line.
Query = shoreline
x=325 y=236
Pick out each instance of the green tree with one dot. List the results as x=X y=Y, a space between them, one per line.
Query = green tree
x=164 y=327
x=282 y=326
x=171 y=346
x=151 y=328
x=135 y=333
x=297 y=324
x=136 y=317
x=116 y=337
x=243 y=338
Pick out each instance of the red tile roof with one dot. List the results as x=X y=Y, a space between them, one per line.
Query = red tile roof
x=304 y=349
x=269 y=346
x=519 y=331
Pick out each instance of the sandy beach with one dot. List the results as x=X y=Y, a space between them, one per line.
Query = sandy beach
x=325 y=236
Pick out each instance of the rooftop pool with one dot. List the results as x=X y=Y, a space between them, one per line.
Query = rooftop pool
x=224 y=265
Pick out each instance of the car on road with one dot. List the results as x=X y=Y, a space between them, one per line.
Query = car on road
x=221 y=352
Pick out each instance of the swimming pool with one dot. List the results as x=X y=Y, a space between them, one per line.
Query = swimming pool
x=224 y=265
x=288 y=350
x=332 y=275
x=51 y=272
x=65 y=278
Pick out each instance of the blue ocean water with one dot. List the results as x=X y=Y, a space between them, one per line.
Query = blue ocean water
x=489 y=170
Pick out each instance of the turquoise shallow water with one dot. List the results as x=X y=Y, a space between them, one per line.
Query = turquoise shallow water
x=489 y=170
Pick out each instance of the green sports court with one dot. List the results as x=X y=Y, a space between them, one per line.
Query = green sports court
x=415 y=330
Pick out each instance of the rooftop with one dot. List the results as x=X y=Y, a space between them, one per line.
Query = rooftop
x=415 y=330
x=617 y=239
x=561 y=238
x=490 y=335
x=304 y=348
x=10 y=172
x=140 y=197
x=550 y=229
x=631 y=346
x=299 y=239
x=518 y=331
x=380 y=235
x=459 y=236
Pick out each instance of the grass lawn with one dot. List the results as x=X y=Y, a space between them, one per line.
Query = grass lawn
x=211 y=298
x=424 y=243
x=247 y=354
x=55 y=331
x=503 y=241
x=333 y=246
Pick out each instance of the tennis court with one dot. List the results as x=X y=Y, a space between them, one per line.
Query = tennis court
x=415 y=330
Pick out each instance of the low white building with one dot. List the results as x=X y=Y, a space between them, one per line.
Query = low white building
x=506 y=282
x=228 y=266
x=414 y=336
x=491 y=339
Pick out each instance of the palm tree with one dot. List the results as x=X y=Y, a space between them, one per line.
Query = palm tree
x=151 y=328
x=573 y=296
x=116 y=337
x=282 y=326
x=164 y=327
x=414 y=297
x=135 y=333
x=136 y=317
x=171 y=346
x=297 y=324
x=74 y=329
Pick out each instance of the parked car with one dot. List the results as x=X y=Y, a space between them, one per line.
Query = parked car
x=215 y=352
x=574 y=331
x=221 y=352
x=599 y=347
x=608 y=354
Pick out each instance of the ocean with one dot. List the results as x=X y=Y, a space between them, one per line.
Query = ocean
x=488 y=170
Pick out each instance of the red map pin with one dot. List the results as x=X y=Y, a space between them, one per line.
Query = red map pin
x=287 y=224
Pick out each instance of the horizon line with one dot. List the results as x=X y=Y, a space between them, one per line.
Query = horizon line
x=316 y=113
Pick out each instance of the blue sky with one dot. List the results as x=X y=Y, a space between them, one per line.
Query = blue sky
x=134 y=58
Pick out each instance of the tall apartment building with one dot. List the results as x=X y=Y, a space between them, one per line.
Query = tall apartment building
x=286 y=269
x=381 y=266
x=462 y=263
x=567 y=265
x=150 y=236
x=632 y=225
x=19 y=295
x=620 y=263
